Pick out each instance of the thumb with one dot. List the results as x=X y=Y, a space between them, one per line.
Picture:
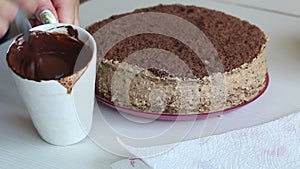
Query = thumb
x=42 y=5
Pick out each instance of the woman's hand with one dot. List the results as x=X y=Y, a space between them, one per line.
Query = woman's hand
x=9 y=10
x=66 y=11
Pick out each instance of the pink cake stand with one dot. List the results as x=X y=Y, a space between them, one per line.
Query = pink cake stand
x=152 y=115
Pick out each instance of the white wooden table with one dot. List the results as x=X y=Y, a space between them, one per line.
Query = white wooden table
x=21 y=147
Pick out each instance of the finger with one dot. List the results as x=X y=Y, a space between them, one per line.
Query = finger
x=8 y=10
x=66 y=10
x=42 y=5
x=4 y=25
x=77 y=20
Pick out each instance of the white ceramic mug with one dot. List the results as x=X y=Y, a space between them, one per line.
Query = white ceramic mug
x=62 y=118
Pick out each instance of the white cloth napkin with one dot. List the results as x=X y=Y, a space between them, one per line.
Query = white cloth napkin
x=273 y=145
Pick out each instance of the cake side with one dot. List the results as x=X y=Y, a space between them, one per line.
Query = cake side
x=139 y=89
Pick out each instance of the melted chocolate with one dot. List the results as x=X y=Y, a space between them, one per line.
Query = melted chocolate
x=48 y=56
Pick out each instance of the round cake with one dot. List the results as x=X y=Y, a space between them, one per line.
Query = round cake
x=176 y=79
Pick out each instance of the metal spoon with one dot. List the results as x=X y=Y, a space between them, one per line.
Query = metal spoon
x=24 y=25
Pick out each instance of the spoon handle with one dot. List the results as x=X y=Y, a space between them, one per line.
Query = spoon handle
x=23 y=23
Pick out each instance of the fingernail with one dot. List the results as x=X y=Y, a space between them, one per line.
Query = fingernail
x=47 y=17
